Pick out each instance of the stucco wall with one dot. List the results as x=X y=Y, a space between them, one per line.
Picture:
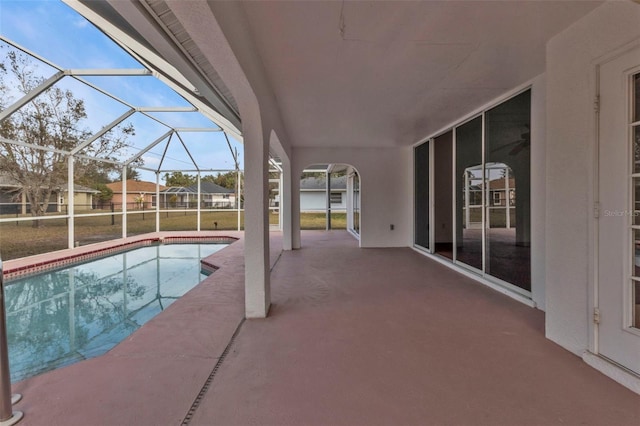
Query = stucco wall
x=538 y=190
x=571 y=61
x=385 y=185
x=317 y=201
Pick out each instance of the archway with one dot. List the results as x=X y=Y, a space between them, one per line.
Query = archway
x=330 y=198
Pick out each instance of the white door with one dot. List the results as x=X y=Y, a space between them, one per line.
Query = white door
x=619 y=222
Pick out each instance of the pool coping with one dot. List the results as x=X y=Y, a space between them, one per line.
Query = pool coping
x=30 y=265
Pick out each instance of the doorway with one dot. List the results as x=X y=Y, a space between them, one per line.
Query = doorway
x=618 y=225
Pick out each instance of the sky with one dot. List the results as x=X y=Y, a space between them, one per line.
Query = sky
x=57 y=33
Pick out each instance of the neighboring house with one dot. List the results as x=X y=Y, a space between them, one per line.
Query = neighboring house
x=313 y=194
x=14 y=201
x=140 y=194
x=211 y=195
x=83 y=198
x=498 y=190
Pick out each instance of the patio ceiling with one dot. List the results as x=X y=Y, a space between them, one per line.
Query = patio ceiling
x=391 y=73
x=377 y=74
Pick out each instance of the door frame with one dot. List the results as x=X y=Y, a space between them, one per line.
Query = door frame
x=592 y=356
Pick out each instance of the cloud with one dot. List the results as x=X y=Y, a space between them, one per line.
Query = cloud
x=150 y=161
x=80 y=23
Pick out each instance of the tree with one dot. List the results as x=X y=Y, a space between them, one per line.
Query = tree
x=132 y=174
x=53 y=120
x=179 y=179
x=105 y=195
x=225 y=180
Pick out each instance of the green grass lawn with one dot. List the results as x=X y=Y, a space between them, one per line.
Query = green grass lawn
x=319 y=221
x=20 y=239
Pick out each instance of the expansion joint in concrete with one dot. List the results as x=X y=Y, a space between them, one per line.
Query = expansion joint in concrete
x=207 y=384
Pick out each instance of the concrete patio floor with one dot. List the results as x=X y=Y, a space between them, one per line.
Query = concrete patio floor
x=354 y=337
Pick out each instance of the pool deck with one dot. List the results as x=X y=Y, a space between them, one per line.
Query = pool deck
x=354 y=337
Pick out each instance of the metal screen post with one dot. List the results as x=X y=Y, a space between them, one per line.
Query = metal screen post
x=7 y=415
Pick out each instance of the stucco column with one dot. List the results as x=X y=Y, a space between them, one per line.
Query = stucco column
x=256 y=222
x=295 y=211
x=285 y=205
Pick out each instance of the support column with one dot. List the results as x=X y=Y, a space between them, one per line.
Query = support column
x=124 y=201
x=238 y=203
x=256 y=222
x=198 y=201
x=158 y=201
x=70 y=204
x=328 y=207
x=295 y=211
x=286 y=206
x=23 y=199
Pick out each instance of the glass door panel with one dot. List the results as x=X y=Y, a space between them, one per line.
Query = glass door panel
x=421 y=191
x=508 y=171
x=469 y=190
x=356 y=203
x=635 y=179
x=443 y=199
x=636 y=149
x=636 y=100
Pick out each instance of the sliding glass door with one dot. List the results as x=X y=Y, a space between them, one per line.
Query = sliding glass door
x=508 y=177
x=421 y=196
x=480 y=193
x=354 y=202
x=443 y=198
x=469 y=190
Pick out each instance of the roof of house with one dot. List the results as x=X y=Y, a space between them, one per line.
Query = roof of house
x=320 y=183
x=211 y=188
x=136 y=186
x=205 y=188
x=500 y=183
x=80 y=188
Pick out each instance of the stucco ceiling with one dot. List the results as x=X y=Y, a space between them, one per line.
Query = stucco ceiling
x=397 y=71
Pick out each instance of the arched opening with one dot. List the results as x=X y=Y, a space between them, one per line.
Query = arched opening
x=330 y=198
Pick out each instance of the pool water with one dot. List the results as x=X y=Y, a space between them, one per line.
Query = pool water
x=68 y=315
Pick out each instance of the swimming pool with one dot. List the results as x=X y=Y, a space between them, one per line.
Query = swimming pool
x=63 y=316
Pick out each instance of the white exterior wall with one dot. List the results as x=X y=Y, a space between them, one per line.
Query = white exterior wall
x=313 y=200
x=538 y=191
x=571 y=61
x=385 y=189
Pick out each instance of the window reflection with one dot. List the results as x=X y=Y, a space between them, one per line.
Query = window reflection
x=484 y=190
x=356 y=203
x=421 y=167
x=443 y=197
x=469 y=190
x=508 y=158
